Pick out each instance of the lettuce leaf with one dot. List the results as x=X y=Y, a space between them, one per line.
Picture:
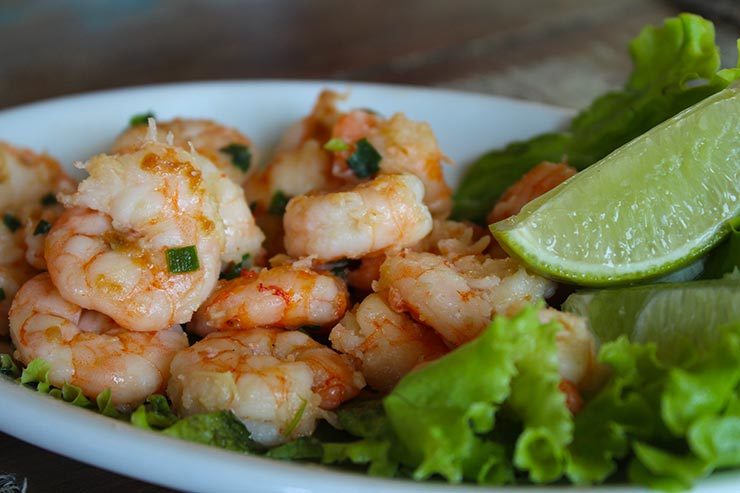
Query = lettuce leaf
x=673 y=421
x=444 y=415
x=675 y=66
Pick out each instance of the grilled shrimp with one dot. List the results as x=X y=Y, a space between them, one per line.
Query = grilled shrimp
x=387 y=344
x=405 y=146
x=230 y=150
x=287 y=296
x=384 y=213
x=540 y=179
x=278 y=383
x=457 y=297
x=88 y=349
x=143 y=243
x=29 y=183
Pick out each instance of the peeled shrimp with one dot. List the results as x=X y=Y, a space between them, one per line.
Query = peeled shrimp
x=207 y=137
x=109 y=253
x=387 y=344
x=577 y=351
x=278 y=383
x=286 y=296
x=317 y=125
x=458 y=298
x=540 y=179
x=28 y=185
x=405 y=146
x=87 y=349
x=454 y=239
x=384 y=213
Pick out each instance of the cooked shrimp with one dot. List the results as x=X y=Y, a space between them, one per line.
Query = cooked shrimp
x=210 y=139
x=14 y=271
x=387 y=344
x=87 y=349
x=453 y=239
x=535 y=182
x=384 y=213
x=287 y=296
x=577 y=351
x=366 y=273
x=27 y=177
x=317 y=125
x=122 y=250
x=457 y=298
x=405 y=146
x=278 y=383
x=293 y=172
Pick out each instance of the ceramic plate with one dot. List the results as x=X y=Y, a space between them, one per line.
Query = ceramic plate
x=74 y=128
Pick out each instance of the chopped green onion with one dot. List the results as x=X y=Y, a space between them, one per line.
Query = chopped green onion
x=182 y=260
x=140 y=119
x=336 y=145
x=296 y=418
x=240 y=154
x=11 y=222
x=278 y=203
x=235 y=269
x=49 y=199
x=2 y=294
x=42 y=228
x=8 y=366
x=365 y=160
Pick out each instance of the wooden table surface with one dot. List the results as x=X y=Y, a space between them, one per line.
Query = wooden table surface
x=563 y=52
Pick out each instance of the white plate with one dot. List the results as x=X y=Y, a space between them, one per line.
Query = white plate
x=74 y=128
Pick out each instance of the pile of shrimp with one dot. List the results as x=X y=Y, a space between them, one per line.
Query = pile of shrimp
x=328 y=273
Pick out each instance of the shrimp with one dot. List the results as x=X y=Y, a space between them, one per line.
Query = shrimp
x=577 y=351
x=362 y=277
x=143 y=241
x=405 y=146
x=457 y=298
x=317 y=125
x=384 y=213
x=387 y=344
x=453 y=239
x=535 y=182
x=209 y=139
x=278 y=383
x=87 y=349
x=29 y=183
x=287 y=296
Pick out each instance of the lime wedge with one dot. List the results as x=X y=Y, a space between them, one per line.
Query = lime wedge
x=652 y=206
x=680 y=318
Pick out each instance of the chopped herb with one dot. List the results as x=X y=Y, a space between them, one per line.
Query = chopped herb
x=240 y=154
x=365 y=160
x=182 y=260
x=296 y=418
x=234 y=270
x=336 y=145
x=278 y=203
x=2 y=294
x=42 y=228
x=49 y=199
x=140 y=119
x=340 y=267
x=8 y=366
x=11 y=222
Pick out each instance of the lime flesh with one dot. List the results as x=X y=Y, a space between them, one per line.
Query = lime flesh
x=650 y=207
x=681 y=318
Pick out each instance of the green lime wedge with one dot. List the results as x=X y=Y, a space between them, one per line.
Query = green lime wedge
x=652 y=206
x=681 y=318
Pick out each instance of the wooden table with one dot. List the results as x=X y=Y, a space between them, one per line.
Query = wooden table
x=563 y=52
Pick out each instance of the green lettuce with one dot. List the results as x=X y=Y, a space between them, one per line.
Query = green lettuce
x=675 y=66
x=672 y=422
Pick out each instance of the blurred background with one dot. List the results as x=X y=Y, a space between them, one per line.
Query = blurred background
x=562 y=52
